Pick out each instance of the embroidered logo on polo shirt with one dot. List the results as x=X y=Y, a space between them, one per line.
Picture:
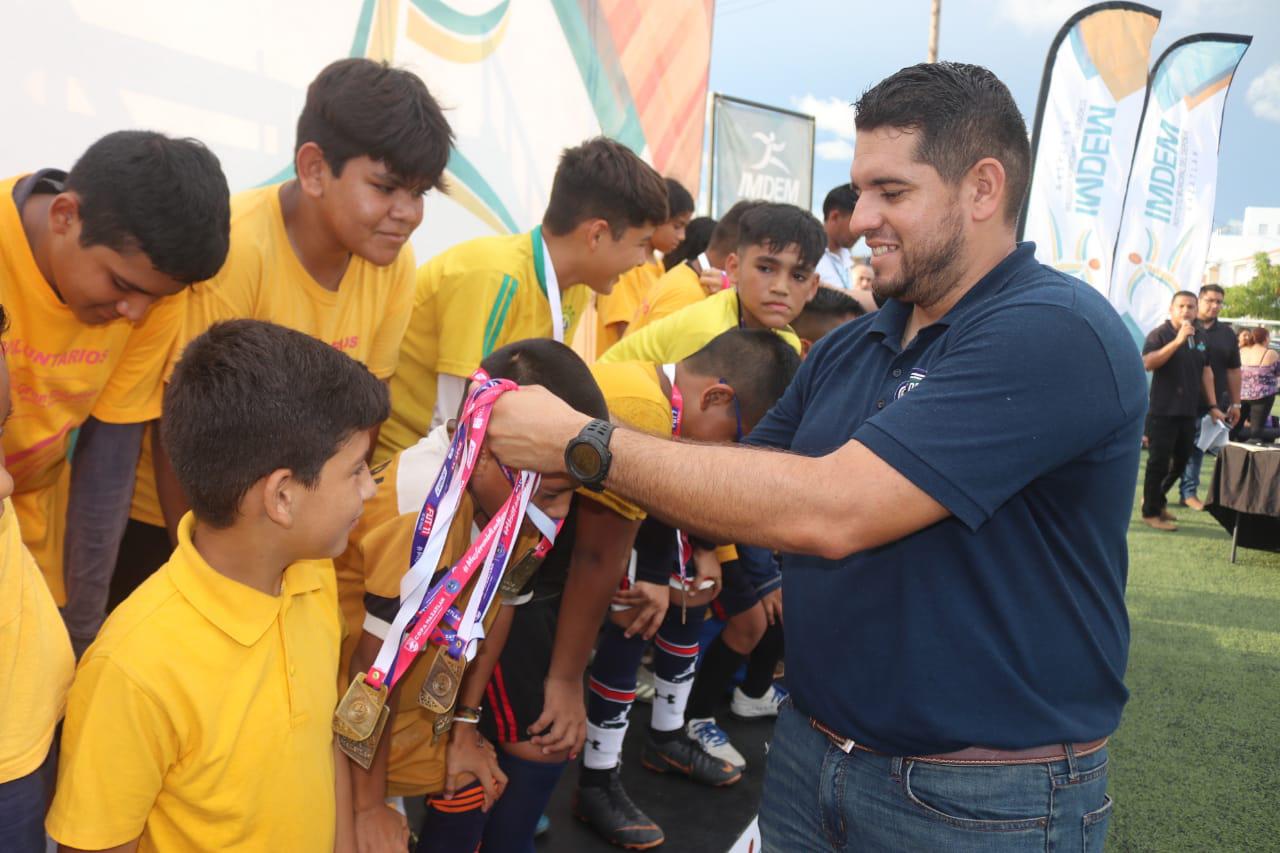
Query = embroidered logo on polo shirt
x=914 y=378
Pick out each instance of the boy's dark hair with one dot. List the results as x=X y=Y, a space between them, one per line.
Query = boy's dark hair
x=724 y=239
x=697 y=235
x=827 y=309
x=757 y=363
x=1212 y=288
x=250 y=397
x=361 y=108
x=840 y=198
x=961 y=113
x=776 y=226
x=604 y=179
x=166 y=198
x=542 y=361
x=678 y=199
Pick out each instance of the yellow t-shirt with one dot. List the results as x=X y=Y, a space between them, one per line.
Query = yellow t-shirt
x=678 y=288
x=629 y=293
x=201 y=717
x=61 y=371
x=469 y=301
x=680 y=335
x=263 y=279
x=635 y=398
x=36 y=662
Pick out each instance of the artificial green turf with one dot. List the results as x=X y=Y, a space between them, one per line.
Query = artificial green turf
x=1195 y=764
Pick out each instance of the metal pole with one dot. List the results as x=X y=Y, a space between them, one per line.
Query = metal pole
x=935 y=14
x=1235 y=536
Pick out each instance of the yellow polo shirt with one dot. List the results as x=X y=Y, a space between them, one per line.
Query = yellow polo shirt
x=620 y=306
x=263 y=279
x=680 y=335
x=200 y=718
x=635 y=398
x=61 y=371
x=36 y=662
x=469 y=301
x=677 y=288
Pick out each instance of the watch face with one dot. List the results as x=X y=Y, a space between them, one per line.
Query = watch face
x=586 y=459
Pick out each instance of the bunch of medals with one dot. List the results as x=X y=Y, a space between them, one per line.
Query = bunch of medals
x=427 y=617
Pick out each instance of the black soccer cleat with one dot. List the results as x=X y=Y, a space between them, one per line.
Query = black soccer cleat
x=682 y=755
x=610 y=812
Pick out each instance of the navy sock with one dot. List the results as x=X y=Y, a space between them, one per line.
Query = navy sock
x=513 y=819
x=763 y=662
x=718 y=665
x=611 y=691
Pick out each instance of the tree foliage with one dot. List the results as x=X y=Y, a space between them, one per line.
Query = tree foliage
x=1260 y=298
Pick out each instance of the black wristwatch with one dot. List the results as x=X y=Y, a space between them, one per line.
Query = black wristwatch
x=587 y=456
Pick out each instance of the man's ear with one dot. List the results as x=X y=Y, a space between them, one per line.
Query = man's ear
x=985 y=187
x=731 y=267
x=596 y=231
x=313 y=170
x=64 y=213
x=278 y=491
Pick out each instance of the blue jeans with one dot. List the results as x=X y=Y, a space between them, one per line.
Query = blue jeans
x=23 y=802
x=1191 y=474
x=818 y=798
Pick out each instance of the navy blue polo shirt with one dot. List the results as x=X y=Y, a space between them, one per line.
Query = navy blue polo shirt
x=1003 y=625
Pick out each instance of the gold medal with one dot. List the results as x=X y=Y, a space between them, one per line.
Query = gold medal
x=357 y=714
x=440 y=687
x=515 y=577
x=362 y=751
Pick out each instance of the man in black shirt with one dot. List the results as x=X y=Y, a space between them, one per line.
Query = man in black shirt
x=1223 y=351
x=1177 y=356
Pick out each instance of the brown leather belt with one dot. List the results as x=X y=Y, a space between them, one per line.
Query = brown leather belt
x=977 y=754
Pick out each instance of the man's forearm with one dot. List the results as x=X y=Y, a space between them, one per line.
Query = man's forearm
x=1158 y=358
x=102 y=477
x=1233 y=385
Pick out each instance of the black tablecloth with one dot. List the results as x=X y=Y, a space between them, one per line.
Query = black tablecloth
x=1246 y=485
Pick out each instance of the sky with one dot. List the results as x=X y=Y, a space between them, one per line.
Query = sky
x=818 y=56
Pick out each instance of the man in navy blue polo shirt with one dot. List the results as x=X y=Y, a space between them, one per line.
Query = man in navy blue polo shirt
x=953 y=508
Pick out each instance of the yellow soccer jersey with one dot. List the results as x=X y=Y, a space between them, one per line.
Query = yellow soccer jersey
x=678 y=288
x=263 y=279
x=680 y=335
x=620 y=306
x=469 y=301
x=61 y=371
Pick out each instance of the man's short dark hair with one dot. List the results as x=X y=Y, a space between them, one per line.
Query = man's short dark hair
x=678 y=199
x=166 y=198
x=697 y=236
x=757 y=363
x=828 y=309
x=776 y=226
x=724 y=240
x=604 y=179
x=250 y=397
x=542 y=361
x=960 y=113
x=362 y=108
x=841 y=198
x=1186 y=293
x=1213 y=288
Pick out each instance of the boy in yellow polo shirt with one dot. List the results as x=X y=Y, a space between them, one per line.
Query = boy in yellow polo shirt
x=200 y=719
x=325 y=253
x=772 y=276
x=83 y=255
x=458 y=772
x=477 y=296
x=614 y=311
x=689 y=282
x=36 y=665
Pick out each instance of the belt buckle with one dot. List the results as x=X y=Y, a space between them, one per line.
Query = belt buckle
x=845 y=745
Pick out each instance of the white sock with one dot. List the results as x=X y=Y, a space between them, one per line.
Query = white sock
x=603 y=747
x=669 y=701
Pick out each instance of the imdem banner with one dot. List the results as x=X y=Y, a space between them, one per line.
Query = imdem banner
x=759 y=152
x=1091 y=99
x=1168 y=209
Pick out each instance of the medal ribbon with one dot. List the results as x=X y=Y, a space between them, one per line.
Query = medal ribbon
x=684 y=549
